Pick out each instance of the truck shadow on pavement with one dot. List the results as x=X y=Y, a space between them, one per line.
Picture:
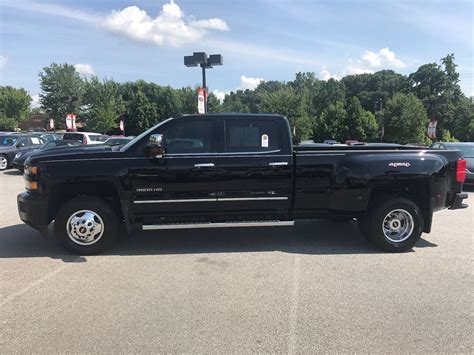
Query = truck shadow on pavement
x=12 y=172
x=313 y=237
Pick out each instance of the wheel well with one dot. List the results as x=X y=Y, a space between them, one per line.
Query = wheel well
x=415 y=191
x=64 y=192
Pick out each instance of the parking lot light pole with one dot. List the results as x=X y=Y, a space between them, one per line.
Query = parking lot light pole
x=205 y=62
x=379 y=102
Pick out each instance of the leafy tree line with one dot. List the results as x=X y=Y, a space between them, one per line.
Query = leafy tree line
x=355 y=107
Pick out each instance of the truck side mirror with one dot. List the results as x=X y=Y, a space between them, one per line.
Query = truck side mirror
x=155 y=146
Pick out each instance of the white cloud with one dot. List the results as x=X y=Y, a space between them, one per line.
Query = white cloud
x=325 y=75
x=383 y=58
x=3 y=61
x=372 y=61
x=249 y=83
x=35 y=102
x=84 y=69
x=211 y=24
x=170 y=27
x=220 y=95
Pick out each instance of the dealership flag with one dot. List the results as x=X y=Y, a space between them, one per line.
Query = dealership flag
x=201 y=98
x=432 y=129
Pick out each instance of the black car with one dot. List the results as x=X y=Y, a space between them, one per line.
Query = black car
x=467 y=149
x=20 y=157
x=12 y=144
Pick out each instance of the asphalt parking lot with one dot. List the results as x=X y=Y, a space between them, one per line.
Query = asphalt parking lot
x=317 y=287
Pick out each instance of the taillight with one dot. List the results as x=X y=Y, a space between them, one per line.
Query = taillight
x=461 y=170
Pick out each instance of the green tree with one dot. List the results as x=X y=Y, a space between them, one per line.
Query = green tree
x=371 y=87
x=104 y=104
x=332 y=123
x=286 y=102
x=406 y=120
x=14 y=107
x=361 y=124
x=187 y=100
x=141 y=114
x=62 y=89
x=213 y=103
x=446 y=136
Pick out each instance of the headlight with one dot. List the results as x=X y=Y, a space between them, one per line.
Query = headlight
x=32 y=170
x=30 y=176
x=17 y=155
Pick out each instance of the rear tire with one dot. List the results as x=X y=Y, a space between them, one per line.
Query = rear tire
x=395 y=225
x=86 y=225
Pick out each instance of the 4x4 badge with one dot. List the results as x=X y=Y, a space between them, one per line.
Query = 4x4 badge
x=398 y=164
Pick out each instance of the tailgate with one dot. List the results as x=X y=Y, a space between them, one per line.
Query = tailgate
x=451 y=158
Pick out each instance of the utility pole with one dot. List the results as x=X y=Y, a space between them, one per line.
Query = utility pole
x=379 y=102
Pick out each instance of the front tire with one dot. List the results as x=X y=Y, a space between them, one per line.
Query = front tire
x=395 y=225
x=86 y=225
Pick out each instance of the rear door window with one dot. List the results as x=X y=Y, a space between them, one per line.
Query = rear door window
x=242 y=135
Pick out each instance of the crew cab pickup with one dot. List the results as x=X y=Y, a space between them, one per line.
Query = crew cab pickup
x=237 y=170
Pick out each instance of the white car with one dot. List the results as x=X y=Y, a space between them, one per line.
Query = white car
x=85 y=137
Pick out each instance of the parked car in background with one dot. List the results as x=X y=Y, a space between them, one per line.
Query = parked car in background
x=331 y=141
x=84 y=137
x=467 y=150
x=11 y=144
x=48 y=136
x=20 y=157
x=352 y=142
x=113 y=141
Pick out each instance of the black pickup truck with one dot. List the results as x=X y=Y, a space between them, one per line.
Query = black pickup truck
x=237 y=170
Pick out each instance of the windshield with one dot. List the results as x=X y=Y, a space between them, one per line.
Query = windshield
x=8 y=140
x=467 y=150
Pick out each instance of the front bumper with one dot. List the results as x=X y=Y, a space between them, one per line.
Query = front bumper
x=33 y=210
x=458 y=199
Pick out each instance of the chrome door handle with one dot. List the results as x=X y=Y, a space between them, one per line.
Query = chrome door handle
x=204 y=165
x=278 y=163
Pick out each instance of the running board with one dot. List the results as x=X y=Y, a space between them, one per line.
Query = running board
x=149 y=227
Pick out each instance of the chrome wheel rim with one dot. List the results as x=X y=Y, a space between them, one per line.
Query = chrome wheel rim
x=85 y=227
x=3 y=163
x=398 y=225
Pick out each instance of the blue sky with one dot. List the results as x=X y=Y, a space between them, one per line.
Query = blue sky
x=259 y=39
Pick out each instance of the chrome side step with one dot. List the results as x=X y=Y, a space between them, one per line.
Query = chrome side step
x=149 y=227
